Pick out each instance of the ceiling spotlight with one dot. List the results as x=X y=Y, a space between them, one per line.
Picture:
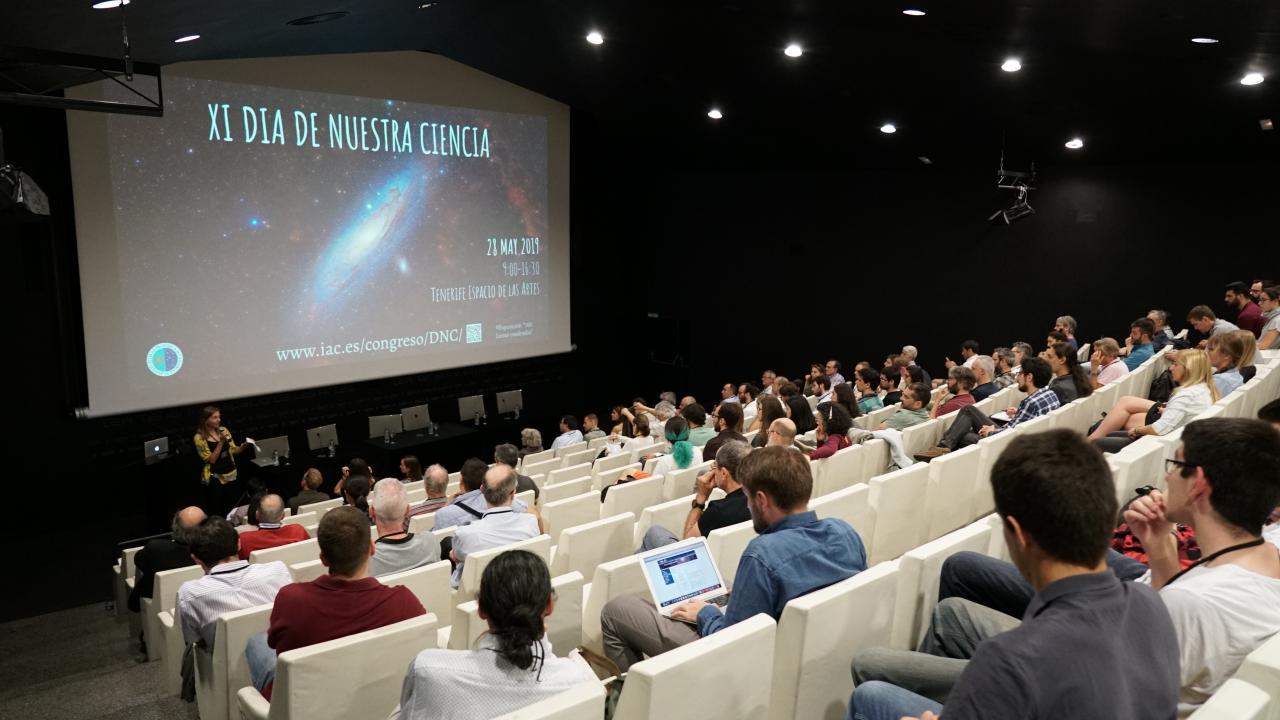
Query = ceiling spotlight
x=913 y=12
x=1266 y=124
x=1011 y=65
x=715 y=114
x=1075 y=143
x=425 y=5
x=793 y=50
x=109 y=4
x=1252 y=79
x=888 y=129
x=1205 y=41
x=187 y=38
x=595 y=38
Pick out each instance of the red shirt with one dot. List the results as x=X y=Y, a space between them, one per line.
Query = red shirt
x=270 y=537
x=955 y=404
x=1250 y=318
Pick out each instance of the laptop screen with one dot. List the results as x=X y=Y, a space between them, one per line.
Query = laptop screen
x=681 y=574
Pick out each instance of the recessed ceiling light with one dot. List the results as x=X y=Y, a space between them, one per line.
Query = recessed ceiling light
x=793 y=50
x=187 y=38
x=715 y=114
x=109 y=4
x=1205 y=41
x=595 y=38
x=1075 y=143
x=1011 y=65
x=913 y=12
x=1252 y=79
x=888 y=129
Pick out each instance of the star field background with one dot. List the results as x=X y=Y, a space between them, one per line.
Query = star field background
x=233 y=250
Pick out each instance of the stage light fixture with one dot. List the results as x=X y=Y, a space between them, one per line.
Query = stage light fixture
x=913 y=12
x=888 y=128
x=1011 y=65
x=187 y=38
x=109 y=4
x=793 y=50
x=1253 y=78
x=1074 y=143
x=1204 y=40
x=715 y=114
x=595 y=38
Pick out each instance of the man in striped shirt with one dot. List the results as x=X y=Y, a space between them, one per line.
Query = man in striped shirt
x=229 y=583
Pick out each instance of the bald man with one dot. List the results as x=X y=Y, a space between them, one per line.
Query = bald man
x=271 y=532
x=782 y=432
x=164 y=554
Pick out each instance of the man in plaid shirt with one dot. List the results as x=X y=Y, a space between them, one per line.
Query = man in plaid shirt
x=972 y=424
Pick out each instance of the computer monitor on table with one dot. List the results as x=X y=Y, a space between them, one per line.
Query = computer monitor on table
x=156 y=449
x=417 y=417
x=471 y=407
x=380 y=424
x=319 y=438
x=510 y=402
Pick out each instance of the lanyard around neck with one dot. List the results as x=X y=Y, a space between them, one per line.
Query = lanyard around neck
x=1242 y=546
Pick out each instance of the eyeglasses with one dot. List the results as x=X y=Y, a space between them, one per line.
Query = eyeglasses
x=1171 y=463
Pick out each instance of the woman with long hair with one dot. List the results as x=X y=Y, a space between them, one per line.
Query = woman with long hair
x=844 y=396
x=1070 y=381
x=410 y=469
x=1129 y=420
x=800 y=414
x=1248 y=351
x=681 y=455
x=512 y=665
x=356 y=494
x=770 y=409
x=1225 y=351
x=618 y=416
x=832 y=430
x=218 y=451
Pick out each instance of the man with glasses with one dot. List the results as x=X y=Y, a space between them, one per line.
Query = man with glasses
x=766 y=382
x=971 y=424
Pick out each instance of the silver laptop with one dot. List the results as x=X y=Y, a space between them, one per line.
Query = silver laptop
x=417 y=417
x=155 y=448
x=380 y=425
x=268 y=448
x=318 y=438
x=683 y=571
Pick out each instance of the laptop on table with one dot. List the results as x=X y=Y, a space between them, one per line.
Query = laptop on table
x=683 y=571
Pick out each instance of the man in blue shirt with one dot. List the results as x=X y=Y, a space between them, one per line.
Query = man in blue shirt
x=795 y=554
x=1140 y=348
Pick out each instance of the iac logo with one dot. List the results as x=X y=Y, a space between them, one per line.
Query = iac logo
x=164 y=359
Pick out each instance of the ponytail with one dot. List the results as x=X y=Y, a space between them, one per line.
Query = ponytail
x=514 y=591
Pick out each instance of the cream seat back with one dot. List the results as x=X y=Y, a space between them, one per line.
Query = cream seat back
x=727 y=545
x=303 y=519
x=1261 y=668
x=841 y=470
x=601 y=478
x=1237 y=700
x=564 y=490
x=122 y=578
x=422 y=523
x=540 y=467
x=581 y=548
x=611 y=464
x=571 y=448
x=1139 y=463
x=476 y=562
x=168 y=625
x=897 y=498
x=632 y=497
x=569 y=472
x=290 y=554
x=737 y=662
x=949 y=492
x=307 y=571
x=563 y=626
x=315 y=682
x=320 y=508
x=852 y=505
x=920 y=570
x=583 y=702
x=533 y=458
x=221 y=673
x=682 y=482
x=819 y=633
x=580 y=457
x=577 y=510
x=875 y=459
x=919 y=438
x=429 y=583
x=164 y=598
x=612 y=579
x=415 y=495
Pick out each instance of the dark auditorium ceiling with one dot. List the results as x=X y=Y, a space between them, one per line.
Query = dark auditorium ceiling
x=1123 y=76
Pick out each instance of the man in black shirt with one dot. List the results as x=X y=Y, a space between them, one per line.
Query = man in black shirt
x=706 y=516
x=728 y=425
x=163 y=554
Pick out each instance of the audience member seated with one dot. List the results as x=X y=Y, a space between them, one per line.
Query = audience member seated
x=832 y=431
x=500 y=525
x=310 y=492
x=162 y=554
x=472 y=503
x=1139 y=343
x=1248 y=314
x=1070 y=381
x=912 y=410
x=569 y=433
x=707 y=516
x=344 y=602
x=801 y=414
x=643 y=434
x=270 y=532
x=1207 y=323
x=617 y=416
x=822 y=388
x=1054 y=338
x=591 y=427
x=1223 y=481
x=1105 y=365
x=506 y=454
x=1021 y=351
x=794 y=554
x=356 y=494
x=1005 y=360
x=728 y=393
x=909 y=354
x=771 y=409
x=968 y=351
x=681 y=455
x=1132 y=417
x=748 y=394
x=356 y=468
x=1225 y=351
x=867 y=382
x=890 y=394
x=397 y=549
x=767 y=379
x=832 y=370
x=436 y=483
x=728 y=424
x=1161 y=333
x=1269 y=301
x=696 y=416
x=984 y=374
x=1084 y=631
x=229 y=583
x=247 y=514
x=1067 y=326
x=513 y=665
x=844 y=396
x=971 y=424
x=530 y=442
x=1248 y=352
x=782 y=433
x=960 y=382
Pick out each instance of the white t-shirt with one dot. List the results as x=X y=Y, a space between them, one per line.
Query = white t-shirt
x=1220 y=614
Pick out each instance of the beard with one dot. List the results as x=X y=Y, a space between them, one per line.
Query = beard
x=1022 y=387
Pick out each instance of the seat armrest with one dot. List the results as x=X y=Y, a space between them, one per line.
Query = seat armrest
x=252 y=705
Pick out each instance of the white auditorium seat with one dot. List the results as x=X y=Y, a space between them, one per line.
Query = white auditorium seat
x=564 y=490
x=164 y=598
x=875 y=459
x=724 y=676
x=612 y=463
x=919 y=572
x=315 y=682
x=422 y=523
x=852 y=505
x=320 y=508
x=921 y=437
x=670 y=515
x=839 y=471
x=307 y=571
x=632 y=497
x=996 y=547
x=682 y=482
x=528 y=497
x=414 y=496
x=290 y=554
x=429 y=583
x=414 y=486
x=600 y=478
x=532 y=458
x=897 y=499
x=581 y=548
x=122 y=576
x=541 y=467
x=563 y=626
x=585 y=455
x=1261 y=668
x=572 y=448
x=819 y=633
x=569 y=472
x=612 y=579
x=1236 y=700
x=596 y=443
x=576 y=510
x=1234 y=403
x=583 y=702
x=727 y=545
x=948 y=502
x=303 y=519
x=473 y=568
x=221 y=673
x=1139 y=463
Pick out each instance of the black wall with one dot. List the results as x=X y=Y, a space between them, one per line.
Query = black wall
x=682 y=279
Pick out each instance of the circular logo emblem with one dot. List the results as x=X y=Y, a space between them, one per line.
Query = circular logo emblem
x=164 y=359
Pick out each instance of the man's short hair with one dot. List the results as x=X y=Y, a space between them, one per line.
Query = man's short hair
x=668 y=397
x=570 y=422
x=358 y=467
x=1070 y=322
x=343 y=536
x=969 y=345
x=270 y=509
x=1107 y=346
x=473 y=473
x=730 y=455
x=1241 y=459
x=788 y=389
x=664 y=410
x=780 y=473
x=503 y=485
x=910 y=351
x=964 y=376
x=750 y=389
x=215 y=540
x=313 y=478
x=694 y=413
x=731 y=414
x=437 y=479
x=834 y=362
x=1164 y=317
x=1201 y=312
x=1144 y=325
x=1238 y=288
x=1024 y=348
x=1057 y=337
x=388 y=500
x=1270 y=412
x=987 y=364
x=785 y=428
x=179 y=532
x=1038 y=369
x=870 y=376
x=1059 y=488
x=507 y=454
x=591 y=416
x=1005 y=354
x=920 y=392
x=822 y=380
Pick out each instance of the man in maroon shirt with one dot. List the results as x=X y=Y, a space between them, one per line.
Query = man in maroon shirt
x=270 y=532
x=1249 y=314
x=960 y=381
x=344 y=602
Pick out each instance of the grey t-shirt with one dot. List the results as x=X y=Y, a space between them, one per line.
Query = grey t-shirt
x=393 y=555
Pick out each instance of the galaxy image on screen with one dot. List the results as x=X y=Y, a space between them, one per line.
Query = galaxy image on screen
x=286 y=245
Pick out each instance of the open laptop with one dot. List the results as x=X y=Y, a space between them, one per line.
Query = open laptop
x=267 y=449
x=683 y=571
x=155 y=449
